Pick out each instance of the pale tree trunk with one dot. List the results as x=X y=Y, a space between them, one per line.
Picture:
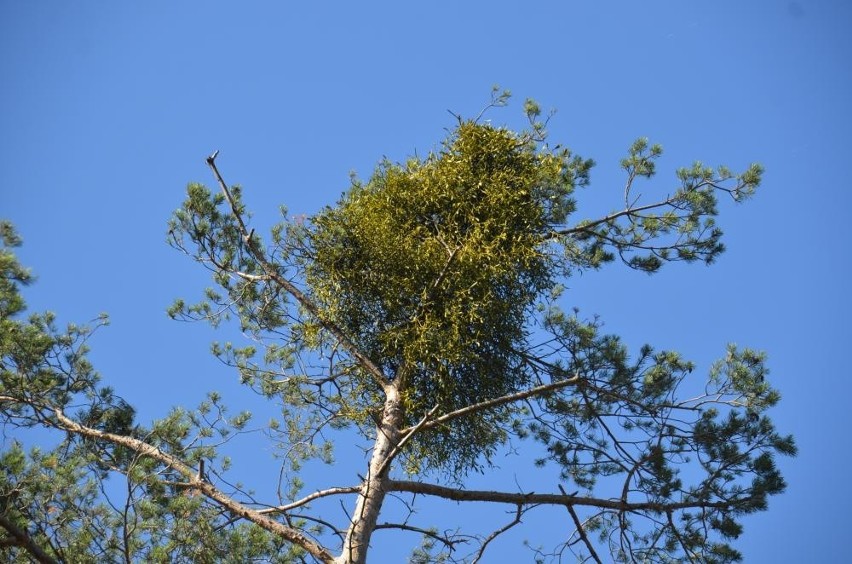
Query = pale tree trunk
x=373 y=490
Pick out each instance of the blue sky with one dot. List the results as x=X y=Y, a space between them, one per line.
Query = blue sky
x=107 y=110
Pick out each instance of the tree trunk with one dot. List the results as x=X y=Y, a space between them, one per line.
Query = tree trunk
x=373 y=490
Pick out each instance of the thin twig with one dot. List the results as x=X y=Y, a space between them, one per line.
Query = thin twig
x=679 y=538
x=432 y=534
x=498 y=532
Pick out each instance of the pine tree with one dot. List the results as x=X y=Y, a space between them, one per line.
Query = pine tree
x=422 y=314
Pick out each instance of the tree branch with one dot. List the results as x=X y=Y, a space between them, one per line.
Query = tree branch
x=432 y=534
x=628 y=211
x=498 y=532
x=406 y=437
x=580 y=530
x=533 y=498
x=686 y=550
x=206 y=488
x=290 y=288
x=546 y=388
x=23 y=539
x=309 y=498
x=608 y=219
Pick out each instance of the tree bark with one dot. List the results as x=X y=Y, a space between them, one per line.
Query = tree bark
x=375 y=485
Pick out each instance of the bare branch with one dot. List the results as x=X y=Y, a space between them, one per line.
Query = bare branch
x=498 y=532
x=273 y=273
x=311 y=497
x=533 y=498
x=449 y=543
x=580 y=530
x=502 y=400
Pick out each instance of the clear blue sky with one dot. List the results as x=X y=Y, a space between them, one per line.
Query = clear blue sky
x=107 y=110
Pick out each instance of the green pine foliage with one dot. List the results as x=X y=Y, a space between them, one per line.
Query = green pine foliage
x=423 y=311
